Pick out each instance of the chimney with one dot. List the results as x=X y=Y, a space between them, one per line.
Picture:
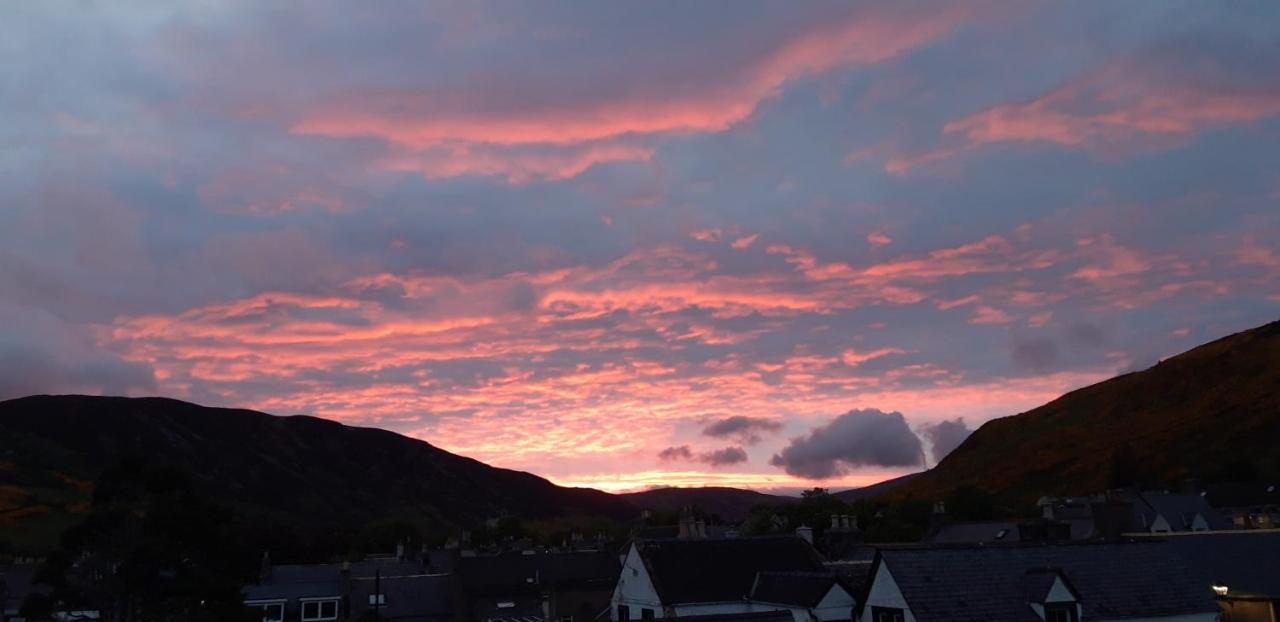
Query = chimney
x=685 y=524
x=853 y=521
x=805 y=533
x=344 y=580
x=836 y=521
x=400 y=550
x=939 y=516
x=264 y=569
x=939 y=507
x=700 y=529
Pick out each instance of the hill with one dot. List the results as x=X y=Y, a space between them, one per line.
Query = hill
x=730 y=503
x=1211 y=413
x=874 y=490
x=297 y=471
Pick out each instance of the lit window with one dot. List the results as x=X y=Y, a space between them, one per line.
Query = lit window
x=314 y=610
x=378 y=599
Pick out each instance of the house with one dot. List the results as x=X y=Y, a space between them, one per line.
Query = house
x=1241 y=568
x=1248 y=505
x=1119 y=512
x=1170 y=512
x=993 y=532
x=538 y=586
x=16 y=582
x=690 y=578
x=398 y=588
x=1145 y=581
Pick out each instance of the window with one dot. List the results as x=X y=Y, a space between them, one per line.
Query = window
x=1060 y=612
x=271 y=612
x=887 y=614
x=378 y=599
x=646 y=614
x=319 y=610
x=624 y=612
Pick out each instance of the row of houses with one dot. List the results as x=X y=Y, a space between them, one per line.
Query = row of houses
x=1191 y=577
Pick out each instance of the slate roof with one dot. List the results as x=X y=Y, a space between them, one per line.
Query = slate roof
x=980 y=583
x=700 y=571
x=1178 y=509
x=802 y=589
x=1000 y=531
x=411 y=598
x=1246 y=562
x=517 y=573
x=293 y=581
x=781 y=615
x=15 y=585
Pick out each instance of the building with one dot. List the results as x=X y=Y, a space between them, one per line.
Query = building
x=1241 y=568
x=538 y=586
x=1108 y=515
x=399 y=589
x=691 y=578
x=1145 y=581
x=1248 y=505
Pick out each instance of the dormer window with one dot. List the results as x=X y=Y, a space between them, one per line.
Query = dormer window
x=272 y=611
x=319 y=609
x=1061 y=612
x=377 y=600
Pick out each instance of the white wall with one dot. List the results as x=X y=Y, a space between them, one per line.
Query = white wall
x=836 y=605
x=885 y=593
x=635 y=589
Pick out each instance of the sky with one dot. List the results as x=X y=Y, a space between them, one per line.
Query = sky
x=760 y=244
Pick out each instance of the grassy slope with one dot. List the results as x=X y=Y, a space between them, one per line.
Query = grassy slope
x=1190 y=415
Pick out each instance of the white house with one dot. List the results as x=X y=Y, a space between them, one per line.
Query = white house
x=693 y=578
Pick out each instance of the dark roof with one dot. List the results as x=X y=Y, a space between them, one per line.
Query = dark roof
x=699 y=571
x=517 y=573
x=802 y=589
x=1002 y=531
x=528 y=609
x=412 y=597
x=978 y=583
x=1178 y=509
x=781 y=615
x=1242 y=494
x=1246 y=562
x=15 y=585
x=972 y=533
x=293 y=581
x=853 y=575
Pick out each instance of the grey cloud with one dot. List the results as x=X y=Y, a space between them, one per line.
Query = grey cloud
x=721 y=457
x=718 y=457
x=944 y=436
x=858 y=438
x=44 y=355
x=744 y=429
x=1038 y=354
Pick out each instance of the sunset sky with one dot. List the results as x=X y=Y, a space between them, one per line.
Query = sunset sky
x=767 y=245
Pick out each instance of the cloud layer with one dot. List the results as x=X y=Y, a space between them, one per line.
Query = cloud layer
x=560 y=238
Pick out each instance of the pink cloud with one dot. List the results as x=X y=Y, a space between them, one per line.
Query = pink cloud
x=470 y=123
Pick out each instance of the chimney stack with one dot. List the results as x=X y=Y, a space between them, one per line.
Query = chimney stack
x=400 y=550
x=264 y=569
x=836 y=521
x=685 y=524
x=700 y=529
x=939 y=507
x=805 y=533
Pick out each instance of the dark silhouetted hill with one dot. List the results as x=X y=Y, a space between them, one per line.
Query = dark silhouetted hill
x=295 y=470
x=729 y=503
x=1211 y=413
